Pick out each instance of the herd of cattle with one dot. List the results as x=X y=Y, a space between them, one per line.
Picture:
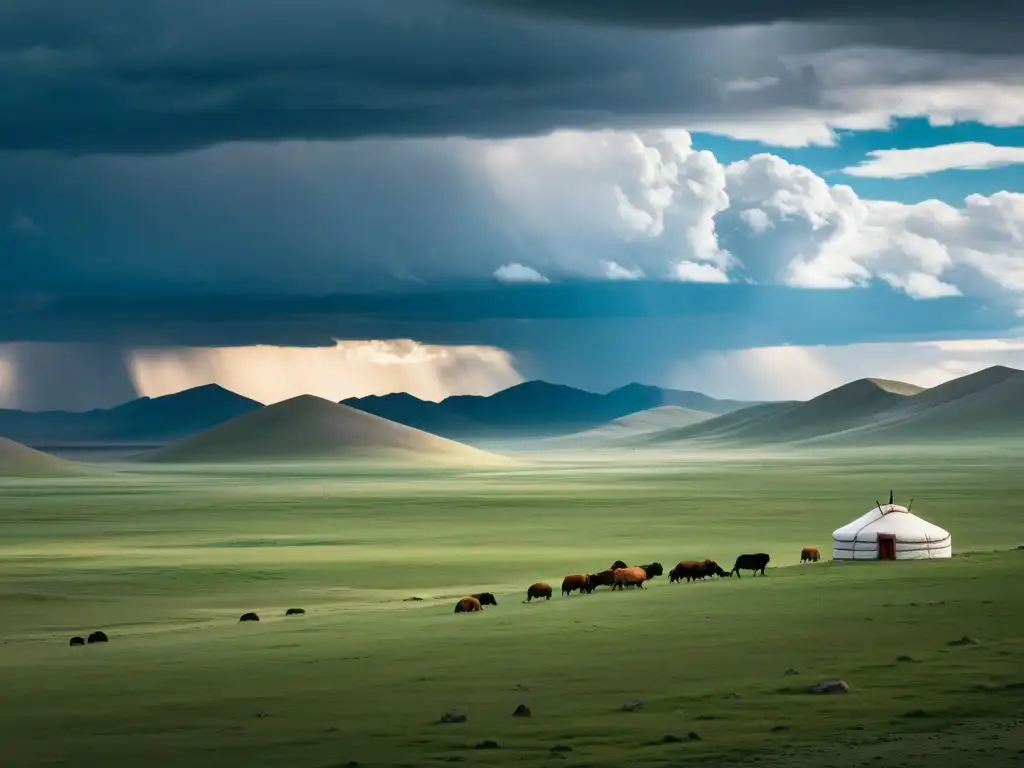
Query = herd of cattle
x=621 y=576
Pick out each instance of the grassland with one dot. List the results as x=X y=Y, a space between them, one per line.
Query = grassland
x=166 y=560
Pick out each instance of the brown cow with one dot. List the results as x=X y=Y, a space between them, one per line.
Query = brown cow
x=629 y=577
x=576 y=581
x=538 y=590
x=468 y=605
x=602 y=579
x=691 y=570
x=809 y=555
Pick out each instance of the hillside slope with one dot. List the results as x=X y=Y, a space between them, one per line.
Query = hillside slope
x=308 y=428
x=842 y=408
x=986 y=404
x=628 y=429
x=17 y=460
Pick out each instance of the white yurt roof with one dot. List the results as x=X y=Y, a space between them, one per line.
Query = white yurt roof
x=894 y=519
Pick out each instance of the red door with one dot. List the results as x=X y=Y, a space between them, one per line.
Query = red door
x=886 y=546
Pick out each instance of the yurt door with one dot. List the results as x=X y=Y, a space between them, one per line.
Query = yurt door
x=886 y=546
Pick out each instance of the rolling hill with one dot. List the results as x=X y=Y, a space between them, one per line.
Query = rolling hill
x=982 y=405
x=627 y=429
x=988 y=404
x=146 y=420
x=532 y=409
x=838 y=409
x=311 y=429
x=17 y=460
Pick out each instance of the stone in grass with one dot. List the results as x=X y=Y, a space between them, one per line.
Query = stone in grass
x=631 y=706
x=522 y=711
x=790 y=672
x=486 y=744
x=453 y=716
x=830 y=686
x=965 y=640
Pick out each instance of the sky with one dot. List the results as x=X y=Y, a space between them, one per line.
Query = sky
x=753 y=200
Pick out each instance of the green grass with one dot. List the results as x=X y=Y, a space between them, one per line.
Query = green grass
x=166 y=561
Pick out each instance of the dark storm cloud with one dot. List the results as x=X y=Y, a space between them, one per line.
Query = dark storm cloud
x=167 y=75
x=583 y=334
x=724 y=316
x=664 y=14
x=593 y=336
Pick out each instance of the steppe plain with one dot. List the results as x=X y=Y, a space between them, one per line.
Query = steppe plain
x=166 y=558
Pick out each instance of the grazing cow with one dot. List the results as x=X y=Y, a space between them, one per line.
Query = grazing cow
x=486 y=598
x=809 y=555
x=692 y=570
x=618 y=564
x=294 y=612
x=468 y=605
x=249 y=617
x=653 y=569
x=687 y=569
x=630 y=577
x=77 y=640
x=538 y=590
x=576 y=581
x=602 y=579
x=753 y=563
x=97 y=637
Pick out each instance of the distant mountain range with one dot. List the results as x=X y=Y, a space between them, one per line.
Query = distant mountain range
x=532 y=409
x=147 y=420
x=988 y=404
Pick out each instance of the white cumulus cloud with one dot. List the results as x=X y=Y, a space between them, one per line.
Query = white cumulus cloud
x=514 y=272
x=756 y=219
x=589 y=204
x=583 y=199
x=692 y=272
x=614 y=271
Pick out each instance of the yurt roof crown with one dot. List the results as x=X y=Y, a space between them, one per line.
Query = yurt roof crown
x=891 y=507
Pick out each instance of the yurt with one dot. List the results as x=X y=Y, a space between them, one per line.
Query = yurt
x=891 y=532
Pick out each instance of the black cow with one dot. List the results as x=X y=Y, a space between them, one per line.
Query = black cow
x=618 y=564
x=97 y=637
x=294 y=612
x=653 y=569
x=753 y=563
x=602 y=579
x=485 y=598
x=249 y=617
x=77 y=640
